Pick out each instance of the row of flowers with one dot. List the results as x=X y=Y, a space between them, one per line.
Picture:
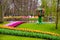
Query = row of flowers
x=14 y=24
x=29 y=30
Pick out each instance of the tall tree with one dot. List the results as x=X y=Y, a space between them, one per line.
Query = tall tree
x=58 y=2
x=1 y=14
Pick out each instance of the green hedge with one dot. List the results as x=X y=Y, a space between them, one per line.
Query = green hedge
x=28 y=34
x=33 y=18
x=8 y=19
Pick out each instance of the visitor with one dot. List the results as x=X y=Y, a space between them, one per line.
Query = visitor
x=39 y=17
x=50 y=18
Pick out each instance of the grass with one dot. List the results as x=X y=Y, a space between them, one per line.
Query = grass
x=3 y=23
x=11 y=37
x=34 y=26
x=44 y=27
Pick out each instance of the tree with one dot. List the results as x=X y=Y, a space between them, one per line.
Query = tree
x=57 y=14
x=1 y=14
x=50 y=6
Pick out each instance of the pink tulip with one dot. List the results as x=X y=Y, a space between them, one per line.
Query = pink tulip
x=14 y=24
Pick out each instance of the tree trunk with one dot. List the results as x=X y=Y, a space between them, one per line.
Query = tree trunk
x=1 y=14
x=57 y=14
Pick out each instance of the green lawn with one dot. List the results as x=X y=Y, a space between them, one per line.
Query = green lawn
x=34 y=26
x=10 y=37
x=48 y=27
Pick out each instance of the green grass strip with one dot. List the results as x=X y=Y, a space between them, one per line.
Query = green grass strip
x=28 y=34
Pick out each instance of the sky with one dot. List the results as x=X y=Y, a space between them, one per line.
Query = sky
x=39 y=3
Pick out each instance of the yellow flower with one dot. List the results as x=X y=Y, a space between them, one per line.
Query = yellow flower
x=29 y=30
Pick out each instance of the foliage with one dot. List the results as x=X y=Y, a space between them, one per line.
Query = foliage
x=49 y=9
x=29 y=30
x=19 y=18
x=33 y=18
x=11 y=37
x=28 y=34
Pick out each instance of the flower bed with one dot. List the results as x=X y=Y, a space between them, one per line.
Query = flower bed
x=29 y=30
x=28 y=34
x=14 y=24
